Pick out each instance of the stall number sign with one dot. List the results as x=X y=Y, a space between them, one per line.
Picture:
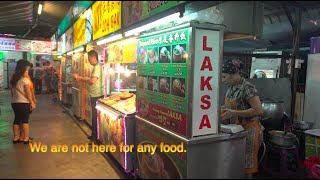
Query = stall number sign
x=106 y=18
x=206 y=83
x=7 y=44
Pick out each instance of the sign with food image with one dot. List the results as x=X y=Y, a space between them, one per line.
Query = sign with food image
x=112 y=133
x=160 y=165
x=122 y=52
x=135 y=11
x=23 y=45
x=41 y=46
x=162 y=79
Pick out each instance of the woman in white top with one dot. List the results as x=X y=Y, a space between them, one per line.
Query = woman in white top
x=23 y=101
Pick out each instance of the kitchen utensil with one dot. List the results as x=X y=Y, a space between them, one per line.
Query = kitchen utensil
x=284 y=134
x=302 y=125
x=282 y=139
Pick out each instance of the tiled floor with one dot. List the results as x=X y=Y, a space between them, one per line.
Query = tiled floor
x=48 y=125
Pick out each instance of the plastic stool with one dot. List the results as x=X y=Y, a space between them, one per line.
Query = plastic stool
x=283 y=152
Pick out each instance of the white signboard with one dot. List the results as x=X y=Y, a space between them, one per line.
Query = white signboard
x=7 y=44
x=206 y=82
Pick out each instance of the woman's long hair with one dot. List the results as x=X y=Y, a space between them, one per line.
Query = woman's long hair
x=21 y=68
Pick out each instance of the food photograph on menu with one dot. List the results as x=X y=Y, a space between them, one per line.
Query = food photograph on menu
x=142 y=56
x=165 y=54
x=179 y=53
x=153 y=55
x=178 y=87
x=164 y=85
x=153 y=83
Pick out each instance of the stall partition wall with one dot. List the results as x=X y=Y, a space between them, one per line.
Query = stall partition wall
x=77 y=67
x=1 y=75
x=278 y=89
x=311 y=111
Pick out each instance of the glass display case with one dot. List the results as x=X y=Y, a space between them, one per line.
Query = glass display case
x=122 y=77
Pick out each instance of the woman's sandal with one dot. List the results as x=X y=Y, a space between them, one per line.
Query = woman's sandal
x=17 y=141
x=28 y=141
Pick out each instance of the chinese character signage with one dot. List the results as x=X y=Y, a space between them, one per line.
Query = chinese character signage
x=7 y=44
x=106 y=18
x=162 y=92
x=135 y=11
x=79 y=32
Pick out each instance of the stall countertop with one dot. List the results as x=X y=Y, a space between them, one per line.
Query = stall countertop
x=217 y=137
x=201 y=139
x=113 y=109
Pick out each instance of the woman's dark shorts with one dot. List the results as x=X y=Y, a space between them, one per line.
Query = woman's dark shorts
x=21 y=113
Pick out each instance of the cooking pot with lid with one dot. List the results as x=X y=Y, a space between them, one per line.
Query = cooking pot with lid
x=282 y=138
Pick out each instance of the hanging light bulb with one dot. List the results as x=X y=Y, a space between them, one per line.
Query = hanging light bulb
x=127 y=73
x=121 y=69
x=111 y=71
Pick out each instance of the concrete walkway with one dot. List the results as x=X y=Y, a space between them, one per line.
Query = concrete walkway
x=48 y=125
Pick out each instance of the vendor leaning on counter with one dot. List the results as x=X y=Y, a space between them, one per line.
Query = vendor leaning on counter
x=242 y=106
x=95 y=89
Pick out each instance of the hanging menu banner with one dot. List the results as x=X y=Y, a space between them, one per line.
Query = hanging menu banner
x=135 y=11
x=23 y=45
x=41 y=46
x=106 y=18
x=79 y=32
x=7 y=44
x=162 y=92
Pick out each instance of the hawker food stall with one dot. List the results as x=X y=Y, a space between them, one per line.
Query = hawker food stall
x=116 y=111
x=116 y=124
x=178 y=106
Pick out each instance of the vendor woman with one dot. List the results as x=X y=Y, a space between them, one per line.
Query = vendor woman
x=243 y=106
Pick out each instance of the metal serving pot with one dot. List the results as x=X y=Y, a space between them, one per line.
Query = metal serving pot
x=282 y=138
x=272 y=109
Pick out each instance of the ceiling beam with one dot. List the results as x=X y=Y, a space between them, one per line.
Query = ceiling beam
x=16 y=14
x=16 y=18
x=20 y=3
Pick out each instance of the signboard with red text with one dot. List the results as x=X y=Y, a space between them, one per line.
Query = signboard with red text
x=206 y=83
x=106 y=16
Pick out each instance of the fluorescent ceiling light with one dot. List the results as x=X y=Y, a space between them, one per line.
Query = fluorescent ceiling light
x=59 y=57
x=110 y=39
x=79 y=49
x=70 y=53
x=159 y=22
x=40 y=9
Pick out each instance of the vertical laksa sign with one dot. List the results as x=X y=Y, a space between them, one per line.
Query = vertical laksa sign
x=206 y=82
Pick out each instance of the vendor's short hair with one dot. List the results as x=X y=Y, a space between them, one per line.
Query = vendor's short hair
x=93 y=53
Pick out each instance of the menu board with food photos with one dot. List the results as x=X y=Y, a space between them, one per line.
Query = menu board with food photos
x=162 y=94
